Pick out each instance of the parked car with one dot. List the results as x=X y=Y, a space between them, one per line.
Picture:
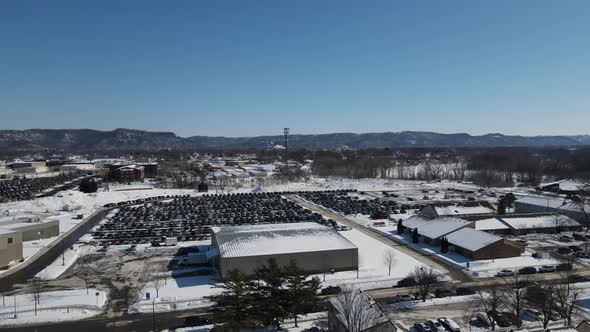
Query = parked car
x=547 y=268
x=528 y=270
x=421 y=327
x=564 y=267
x=196 y=321
x=566 y=238
x=579 y=237
x=407 y=282
x=483 y=318
x=464 y=291
x=449 y=324
x=501 y=319
x=331 y=290
x=564 y=250
x=443 y=292
x=505 y=273
x=575 y=248
x=404 y=297
x=435 y=325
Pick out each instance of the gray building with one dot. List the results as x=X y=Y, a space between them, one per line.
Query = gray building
x=315 y=248
x=536 y=204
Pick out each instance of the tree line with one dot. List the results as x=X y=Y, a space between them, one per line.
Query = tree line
x=273 y=295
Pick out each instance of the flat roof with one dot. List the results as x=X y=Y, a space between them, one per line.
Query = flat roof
x=460 y=209
x=472 y=239
x=549 y=202
x=274 y=239
x=540 y=221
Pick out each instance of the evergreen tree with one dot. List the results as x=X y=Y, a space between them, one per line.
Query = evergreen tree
x=88 y=186
x=301 y=291
x=233 y=305
x=415 y=235
x=270 y=297
x=400 y=227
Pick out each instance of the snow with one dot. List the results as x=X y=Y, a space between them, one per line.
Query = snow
x=458 y=210
x=56 y=269
x=472 y=239
x=53 y=306
x=441 y=226
x=177 y=294
x=490 y=224
x=274 y=239
x=539 y=221
x=372 y=271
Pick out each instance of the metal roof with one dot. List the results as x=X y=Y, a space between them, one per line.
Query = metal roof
x=273 y=239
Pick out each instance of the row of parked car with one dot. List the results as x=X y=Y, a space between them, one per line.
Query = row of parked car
x=441 y=324
x=533 y=270
x=438 y=293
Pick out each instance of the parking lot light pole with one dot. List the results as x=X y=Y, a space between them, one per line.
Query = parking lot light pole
x=154 y=315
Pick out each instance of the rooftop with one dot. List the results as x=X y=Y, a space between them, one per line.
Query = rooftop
x=472 y=239
x=274 y=239
x=441 y=226
x=547 y=221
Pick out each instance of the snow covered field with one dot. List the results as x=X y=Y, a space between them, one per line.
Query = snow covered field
x=372 y=272
x=53 y=307
x=176 y=294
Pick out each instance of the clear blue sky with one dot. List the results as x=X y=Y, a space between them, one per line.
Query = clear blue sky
x=253 y=67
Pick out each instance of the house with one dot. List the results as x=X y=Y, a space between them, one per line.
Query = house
x=316 y=248
x=11 y=247
x=479 y=245
x=358 y=309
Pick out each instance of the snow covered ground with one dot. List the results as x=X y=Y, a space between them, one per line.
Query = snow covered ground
x=373 y=272
x=54 y=306
x=176 y=294
x=480 y=268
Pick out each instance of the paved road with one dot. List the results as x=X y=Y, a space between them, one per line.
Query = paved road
x=125 y=323
x=429 y=260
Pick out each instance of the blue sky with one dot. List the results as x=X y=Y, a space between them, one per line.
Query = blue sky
x=238 y=68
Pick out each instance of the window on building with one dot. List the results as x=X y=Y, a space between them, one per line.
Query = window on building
x=9 y=240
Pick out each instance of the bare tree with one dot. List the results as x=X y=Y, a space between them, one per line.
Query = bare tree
x=357 y=309
x=389 y=259
x=515 y=295
x=542 y=298
x=559 y=222
x=489 y=303
x=36 y=285
x=85 y=271
x=566 y=295
x=157 y=285
x=426 y=279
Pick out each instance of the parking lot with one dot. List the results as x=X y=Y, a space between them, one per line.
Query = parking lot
x=190 y=218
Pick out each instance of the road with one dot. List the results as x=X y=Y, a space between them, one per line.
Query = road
x=429 y=260
x=125 y=323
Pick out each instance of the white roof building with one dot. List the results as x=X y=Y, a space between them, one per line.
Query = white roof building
x=471 y=239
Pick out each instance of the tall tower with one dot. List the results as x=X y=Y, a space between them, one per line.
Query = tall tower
x=286 y=132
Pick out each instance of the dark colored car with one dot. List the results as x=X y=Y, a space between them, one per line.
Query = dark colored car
x=407 y=282
x=196 y=321
x=564 y=267
x=501 y=319
x=331 y=290
x=464 y=291
x=443 y=292
x=564 y=250
x=528 y=270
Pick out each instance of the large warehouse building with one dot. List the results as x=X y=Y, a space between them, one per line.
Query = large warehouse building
x=315 y=248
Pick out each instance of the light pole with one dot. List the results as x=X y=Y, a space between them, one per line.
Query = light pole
x=154 y=315
x=63 y=250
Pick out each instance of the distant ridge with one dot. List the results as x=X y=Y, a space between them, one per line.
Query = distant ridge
x=131 y=139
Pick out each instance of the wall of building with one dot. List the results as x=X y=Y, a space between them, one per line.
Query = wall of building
x=520 y=207
x=311 y=262
x=500 y=249
x=36 y=231
x=10 y=251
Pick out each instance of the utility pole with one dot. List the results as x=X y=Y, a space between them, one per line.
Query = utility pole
x=286 y=133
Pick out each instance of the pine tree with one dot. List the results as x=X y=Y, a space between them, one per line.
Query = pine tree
x=400 y=228
x=233 y=305
x=270 y=297
x=301 y=290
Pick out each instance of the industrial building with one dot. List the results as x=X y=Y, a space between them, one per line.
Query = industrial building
x=33 y=230
x=11 y=247
x=316 y=248
x=536 y=204
x=446 y=209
